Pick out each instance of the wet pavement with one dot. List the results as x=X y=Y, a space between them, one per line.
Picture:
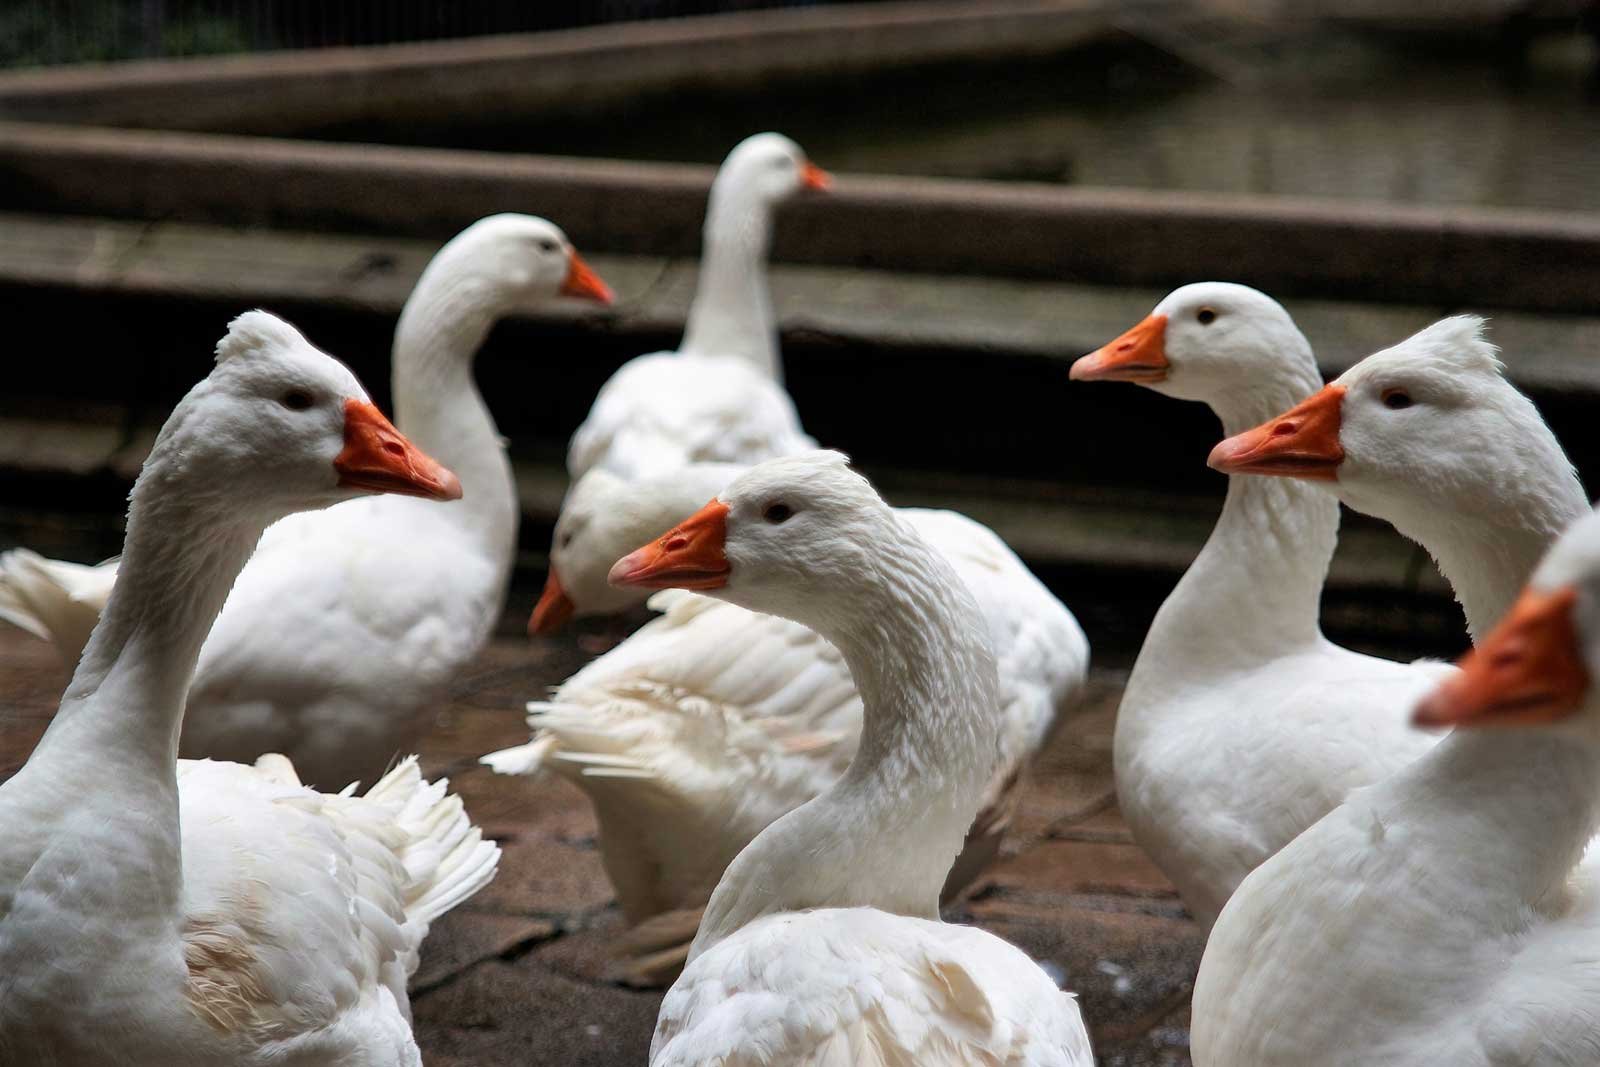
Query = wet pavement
x=515 y=975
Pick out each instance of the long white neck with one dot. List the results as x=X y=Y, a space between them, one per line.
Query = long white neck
x=1488 y=556
x=438 y=406
x=1503 y=814
x=885 y=835
x=122 y=712
x=1254 y=591
x=732 y=310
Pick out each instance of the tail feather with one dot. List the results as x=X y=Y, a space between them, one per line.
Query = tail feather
x=53 y=600
x=447 y=858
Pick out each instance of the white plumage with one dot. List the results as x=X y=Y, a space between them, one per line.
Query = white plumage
x=711 y=721
x=720 y=396
x=820 y=943
x=154 y=910
x=1445 y=915
x=1242 y=724
x=854 y=987
x=348 y=623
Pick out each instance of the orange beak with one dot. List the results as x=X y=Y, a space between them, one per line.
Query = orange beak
x=554 y=610
x=814 y=177
x=377 y=456
x=1303 y=442
x=583 y=282
x=1140 y=355
x=1528 y=671
x=688 y=556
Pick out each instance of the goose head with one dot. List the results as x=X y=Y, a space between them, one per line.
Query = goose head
x=1537 y=667
x=602 y=519
x=767 y=168
x=1210 y=342
x=793 y=537
x=1428 y=427
x=514 y=259
x=279 y=426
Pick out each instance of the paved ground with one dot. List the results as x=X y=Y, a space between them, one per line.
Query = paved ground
x=514 y=976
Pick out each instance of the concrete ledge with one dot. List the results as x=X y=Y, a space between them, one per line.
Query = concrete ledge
x=1348 y=249
x=876 y=309
x=573 y=71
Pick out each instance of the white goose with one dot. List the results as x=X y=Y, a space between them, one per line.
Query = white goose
x=1446 y=915
x=162 y=911
x=1242 y=724
x=347 y=623
x=719 y=397
x=711 y=721
x=822 y=943
x=1430 y=437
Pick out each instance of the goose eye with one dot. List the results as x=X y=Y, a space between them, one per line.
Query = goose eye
x=1206 y=316
x=1396 y=399
x=566 y=539
x=296 y=400
x=547 y=245
x=777 y=513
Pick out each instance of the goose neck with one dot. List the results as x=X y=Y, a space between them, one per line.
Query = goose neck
x=1255 y=589
x=125 y=702
x=437 y=403
x=1488 y=558
x=885 y=835
x=1504 y=815
x=731 y=314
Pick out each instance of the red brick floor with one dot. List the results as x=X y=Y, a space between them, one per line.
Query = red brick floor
x=515 y=975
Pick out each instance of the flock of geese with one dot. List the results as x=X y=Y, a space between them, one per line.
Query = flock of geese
x=822 y=732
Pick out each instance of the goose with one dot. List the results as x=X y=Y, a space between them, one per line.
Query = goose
x=603 y=517
x=720 y=396
x=1430 y=437
x=1447 y=914
x=711 y=721
x=822 y=942
x=1241 y=724
x=349 y=622
x=157 y=910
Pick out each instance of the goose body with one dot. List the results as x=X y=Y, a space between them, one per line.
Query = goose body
x=1242 y=724
x=866 y=990
x=1445 y=915
x=711 y=721
x=348 y=623
x=719 y=398
x=157 y=910
x=821 y=942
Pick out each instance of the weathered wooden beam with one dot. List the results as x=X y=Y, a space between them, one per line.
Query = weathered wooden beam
x=1544 y=261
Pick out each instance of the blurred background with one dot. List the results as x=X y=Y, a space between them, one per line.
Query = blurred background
x=1020 y=180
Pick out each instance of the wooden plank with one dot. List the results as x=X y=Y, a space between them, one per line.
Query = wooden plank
x=1542 y=261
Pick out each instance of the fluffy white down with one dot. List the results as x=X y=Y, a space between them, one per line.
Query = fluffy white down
x=856 y=987
x=667 y=410
x=302 y=917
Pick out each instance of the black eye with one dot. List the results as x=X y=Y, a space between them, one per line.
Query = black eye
x=547 y=245
x=1396 y=399
x=566 y=539
x=1206 y=316
x=296 y=400
x=777 y=513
